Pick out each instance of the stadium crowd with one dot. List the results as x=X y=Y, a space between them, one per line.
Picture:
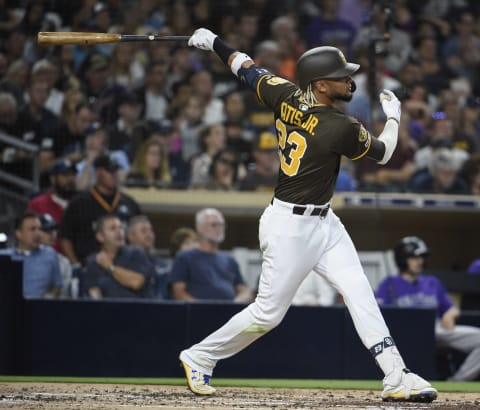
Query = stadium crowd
x=163 y=110
x=163 y=115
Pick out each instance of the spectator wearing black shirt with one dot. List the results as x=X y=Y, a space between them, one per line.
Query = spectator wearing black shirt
x=76 y=230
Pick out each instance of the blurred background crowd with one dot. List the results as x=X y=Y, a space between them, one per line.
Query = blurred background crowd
x=171 y=116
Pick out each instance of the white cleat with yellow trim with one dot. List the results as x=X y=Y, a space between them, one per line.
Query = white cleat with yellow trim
x=406 y=386
x=198 y=382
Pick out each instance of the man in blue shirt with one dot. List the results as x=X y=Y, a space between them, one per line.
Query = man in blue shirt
x=117 y=270
x=412 y=289
x=41 y=271
x=206 y=272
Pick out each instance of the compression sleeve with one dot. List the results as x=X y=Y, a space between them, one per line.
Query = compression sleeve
x=389 y=137
x=251 y=75
x=223 y=50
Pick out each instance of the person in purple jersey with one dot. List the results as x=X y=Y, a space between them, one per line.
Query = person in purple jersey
x=411 y=288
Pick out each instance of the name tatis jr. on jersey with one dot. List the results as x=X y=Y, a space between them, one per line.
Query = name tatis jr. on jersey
x=290 y=115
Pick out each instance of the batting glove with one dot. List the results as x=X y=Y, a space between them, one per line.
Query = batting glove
x=203 y=39
x=391 y=105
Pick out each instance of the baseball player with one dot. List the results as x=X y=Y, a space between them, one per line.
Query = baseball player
x=298 y=231
x=413 y=289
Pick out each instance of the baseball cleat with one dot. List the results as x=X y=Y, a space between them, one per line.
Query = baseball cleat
x=198 y=382
x=410 y=388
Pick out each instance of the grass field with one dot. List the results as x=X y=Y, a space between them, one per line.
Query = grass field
x=463 y=387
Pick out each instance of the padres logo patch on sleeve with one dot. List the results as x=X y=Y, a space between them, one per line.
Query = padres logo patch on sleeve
x=276 y=81
x=362 y=134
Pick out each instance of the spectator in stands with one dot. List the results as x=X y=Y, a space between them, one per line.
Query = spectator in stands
x=166 y=134
x=398 y=46
x=153 y=94
x=48 y=237
x=223 y=172
x=206 y=272
x=461 y=52
x=329 y=28
x=38 y=125
x=62 y=189
x=102 y=96
x=262 y=175
x=150 y=166
x=121 y=132
x=76 y=229
x=127 y=71
x=9 y=19
x=439 y=133
x=182 y=239
x=238 y=130
x=49 y=72
x=412 y=288
x=8 y=113
x=212 y=140
x=77 y=117
x=140 y=233
x=15 y=80
x=469 y=123
x=41 y=271
x=117 y=270
x=202 y=86
x=190 y=126
x=435 y=74
x=285 y=33
x=470 y=173
x=441 y=176
x=97 y=144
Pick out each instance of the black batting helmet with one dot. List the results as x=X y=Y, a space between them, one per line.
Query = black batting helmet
x=323 y=62
x=408 y=247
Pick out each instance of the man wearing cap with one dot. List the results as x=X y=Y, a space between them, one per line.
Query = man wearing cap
x=100 y=94
x=62 y=189
x=76 y=229
x=264 y=174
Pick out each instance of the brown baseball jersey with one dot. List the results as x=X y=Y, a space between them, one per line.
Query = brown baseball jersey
x=311 y=141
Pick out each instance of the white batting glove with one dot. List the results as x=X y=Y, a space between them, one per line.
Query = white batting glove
x=391 y=105
x=203 y=39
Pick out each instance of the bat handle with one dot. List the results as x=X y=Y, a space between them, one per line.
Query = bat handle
x=152 y=37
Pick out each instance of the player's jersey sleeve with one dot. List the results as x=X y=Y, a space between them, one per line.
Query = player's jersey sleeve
x=352 y=140
x=272 y=90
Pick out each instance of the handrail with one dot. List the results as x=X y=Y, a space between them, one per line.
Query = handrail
x=18 y=143
x=32 y=184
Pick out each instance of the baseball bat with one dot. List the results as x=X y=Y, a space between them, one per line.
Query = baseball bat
x=56 y=38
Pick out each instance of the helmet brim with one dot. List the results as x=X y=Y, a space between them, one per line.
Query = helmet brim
x=348 y=70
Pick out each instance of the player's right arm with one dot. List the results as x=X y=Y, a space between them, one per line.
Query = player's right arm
x=241 y=64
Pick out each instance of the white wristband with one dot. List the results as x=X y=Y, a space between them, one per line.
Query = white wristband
x=237 y=62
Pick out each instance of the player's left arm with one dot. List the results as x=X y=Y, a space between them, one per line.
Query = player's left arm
x=389 y=137
x=379 y=149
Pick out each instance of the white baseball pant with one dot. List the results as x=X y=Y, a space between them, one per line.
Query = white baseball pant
x=292 y=246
